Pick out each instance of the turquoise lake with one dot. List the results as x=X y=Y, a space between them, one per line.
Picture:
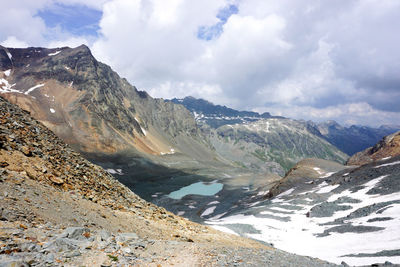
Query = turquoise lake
x=199 y=188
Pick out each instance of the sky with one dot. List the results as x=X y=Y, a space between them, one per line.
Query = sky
x=304 y=59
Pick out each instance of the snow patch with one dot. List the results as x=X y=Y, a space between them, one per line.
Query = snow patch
x=388 y=164
x=208 y=211
x=7 y=88
x=299 y=234
x=33 y=88
x=213 y=202
x=287 y=192
x=143 y=131
x=55 y=53
x=7 y=72
x=327 y=189
x=115 y=171
x=9 y=55
x=52 y=110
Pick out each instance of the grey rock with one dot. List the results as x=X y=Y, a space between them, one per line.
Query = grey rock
x=61 y=244
x=72 y=254
x=127 y=237
x=29 y=247
x=75 y=233
x=104 y=235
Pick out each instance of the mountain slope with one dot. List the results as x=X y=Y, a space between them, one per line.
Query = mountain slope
x=283 y=141
x=89 y=106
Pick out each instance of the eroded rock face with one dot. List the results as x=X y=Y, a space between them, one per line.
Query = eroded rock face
x=388 y=147
x=87 y=104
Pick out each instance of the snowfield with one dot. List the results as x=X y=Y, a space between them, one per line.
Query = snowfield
x=327 y=221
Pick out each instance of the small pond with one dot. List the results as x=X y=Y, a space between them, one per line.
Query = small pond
x=200 y=188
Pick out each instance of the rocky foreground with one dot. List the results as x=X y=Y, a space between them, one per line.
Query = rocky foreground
x=58 y=209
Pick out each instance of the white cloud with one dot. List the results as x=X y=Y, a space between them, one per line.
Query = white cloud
x=360 y=113
x=312 y=57
x=12 y=41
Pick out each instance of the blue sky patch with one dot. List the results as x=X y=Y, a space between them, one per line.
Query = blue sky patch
x=75 y=19
x=210 y=32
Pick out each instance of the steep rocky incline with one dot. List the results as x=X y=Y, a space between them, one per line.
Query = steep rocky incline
x=388 y=147
x=89 y=106
x=58 y=209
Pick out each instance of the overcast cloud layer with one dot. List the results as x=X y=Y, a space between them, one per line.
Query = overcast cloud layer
x=306 y=59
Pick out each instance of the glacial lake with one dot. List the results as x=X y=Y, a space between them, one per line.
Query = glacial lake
x=200 y=188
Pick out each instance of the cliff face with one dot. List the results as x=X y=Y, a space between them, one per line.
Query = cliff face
x=388 y=147
x=88 y=105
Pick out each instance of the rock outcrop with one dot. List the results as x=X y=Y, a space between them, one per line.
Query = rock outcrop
x=388 y=147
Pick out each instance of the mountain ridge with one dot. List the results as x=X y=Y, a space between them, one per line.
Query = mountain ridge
x=349 y=139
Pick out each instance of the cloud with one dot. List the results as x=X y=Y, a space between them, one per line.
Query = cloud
x=41 y=22
x=303 y=58
x=12 y=41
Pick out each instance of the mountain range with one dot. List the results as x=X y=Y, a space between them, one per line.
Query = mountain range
x=349 y=140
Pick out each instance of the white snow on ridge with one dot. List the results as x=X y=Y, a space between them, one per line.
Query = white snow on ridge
x=55 y=53
x=143 y=130
x=9 y=55
x=7 y=72
x=387 y=164
x=6 y=87
x=33 y=88
x=52 y=110
x=299 y=234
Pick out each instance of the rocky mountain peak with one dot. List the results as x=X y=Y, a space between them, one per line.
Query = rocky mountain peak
x=79 y=98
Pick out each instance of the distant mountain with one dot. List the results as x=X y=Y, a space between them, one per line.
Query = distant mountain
x=273 y=140
x=348 y=139
x=354 y=138
x=217 y=115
